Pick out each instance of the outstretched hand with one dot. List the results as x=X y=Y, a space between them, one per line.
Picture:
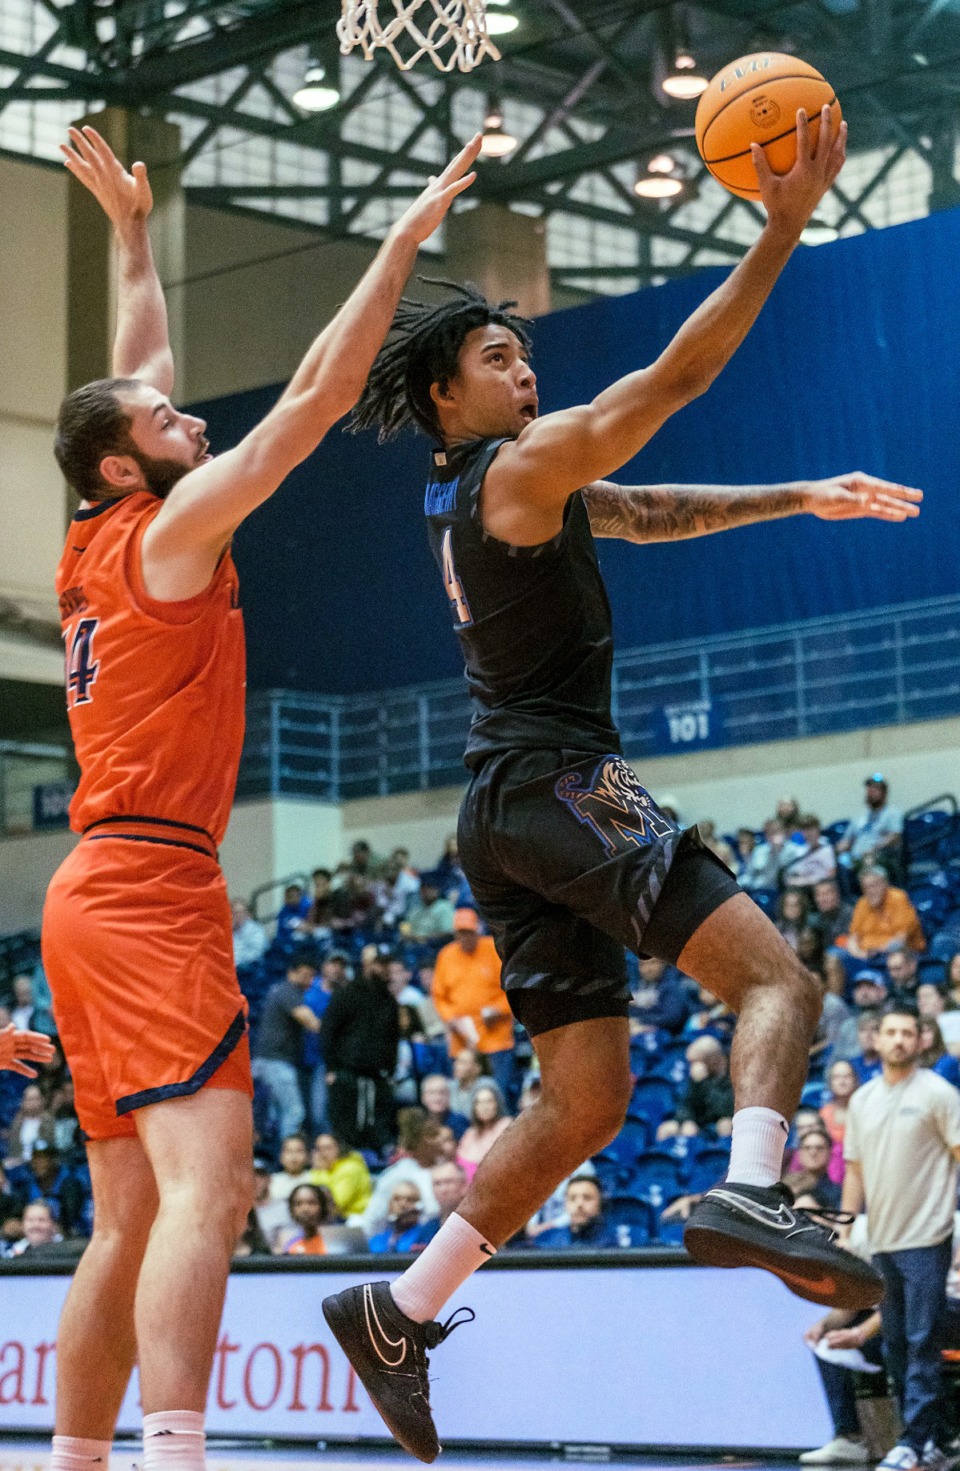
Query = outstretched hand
x=125 y=198
x=429 y=208
x=857 y=496
x=791 y=198
x=16 y=1046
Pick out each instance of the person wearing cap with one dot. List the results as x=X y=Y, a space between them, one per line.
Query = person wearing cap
x=883 y=918
x=875 y=835
x=812 y=859
x=278 y=1047
x=470 y=999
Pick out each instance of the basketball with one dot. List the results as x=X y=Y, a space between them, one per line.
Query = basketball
x=755 y=100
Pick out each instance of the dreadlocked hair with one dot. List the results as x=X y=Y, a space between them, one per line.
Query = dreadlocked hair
x=423 y=348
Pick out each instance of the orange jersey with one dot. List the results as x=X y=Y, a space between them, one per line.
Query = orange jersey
x=155 y=690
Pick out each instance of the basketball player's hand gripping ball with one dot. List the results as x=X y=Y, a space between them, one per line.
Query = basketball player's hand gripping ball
x=125 y=197
x=762 y=116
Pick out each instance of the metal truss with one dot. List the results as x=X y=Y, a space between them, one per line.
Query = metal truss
x=581 y=75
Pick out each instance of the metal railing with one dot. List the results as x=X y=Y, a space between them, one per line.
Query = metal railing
x=883 y=667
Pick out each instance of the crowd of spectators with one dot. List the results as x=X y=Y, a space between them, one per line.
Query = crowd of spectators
x=387 y=1063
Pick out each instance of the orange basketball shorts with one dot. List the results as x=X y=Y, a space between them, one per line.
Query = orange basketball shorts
x=138 y=950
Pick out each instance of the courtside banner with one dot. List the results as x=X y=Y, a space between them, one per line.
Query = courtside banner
x=626 y=1355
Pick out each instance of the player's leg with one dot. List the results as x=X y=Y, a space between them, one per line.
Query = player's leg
x=585 y=1089
x=96 y=1342
x=200 y=1148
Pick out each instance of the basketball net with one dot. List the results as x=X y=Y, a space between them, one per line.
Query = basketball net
x=453 y=33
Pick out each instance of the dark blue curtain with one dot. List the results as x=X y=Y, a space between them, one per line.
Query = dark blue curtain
x=854 y=364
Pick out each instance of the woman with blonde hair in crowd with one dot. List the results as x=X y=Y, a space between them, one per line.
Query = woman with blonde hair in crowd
x=488 y=1120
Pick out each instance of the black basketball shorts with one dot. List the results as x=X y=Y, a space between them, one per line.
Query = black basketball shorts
x=570 y=861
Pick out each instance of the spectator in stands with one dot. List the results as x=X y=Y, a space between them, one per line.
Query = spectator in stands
x=360 y=1038
x=875 y=837
x=406 y=1076
x=450 y=875
x=831 y=914
x=317 y=998
x=431 y=914
x=469 y=1067
x=353 y=905
x=812 y=860
x=294 y=1168
x=834 y=1014
x=716 y=844
x=362 y=860
x=929 y=1000
x=842 y=1082
x=402 y=988
x=343 y=1172
x=419 y=1145
x=788 y=815
x=762 y=869
x=12 y=1202
x=400 y=884
x=278 y=1048
x=24 y=1005
x=251 y=1241
x=295 y=908
x=272 y=1215
x=586 y=1228
x=39 y=1228
x=450 y=1185
x=662 y=1003
x=310 y=1208
x=470 y=1000
x=31 y=1124
x=708 y=1102
x=809 y=1169
x=318 y=923
x=933 y=1051
x=953 y=981
x=249 y=938
x=746 y=847
x=882 y=918
x=792 y=912
x=810 y=951
x=902 y=968
x=435 y=1091
x=711 y=1014
x=335 y=971
x=488 y=1120
x=406 y=1229
x=66 y=1192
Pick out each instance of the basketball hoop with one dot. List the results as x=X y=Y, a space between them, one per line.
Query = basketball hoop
x=453 y=33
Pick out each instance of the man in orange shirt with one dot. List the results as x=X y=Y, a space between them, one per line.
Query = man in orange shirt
x=882 y=918
x=469 y=997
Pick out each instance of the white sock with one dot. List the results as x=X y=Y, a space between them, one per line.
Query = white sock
x=174 y=1440
x=452 y=1256
x=71 y=1453
x=756 y=1151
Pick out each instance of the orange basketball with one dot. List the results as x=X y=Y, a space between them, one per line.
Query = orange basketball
x=755 y=100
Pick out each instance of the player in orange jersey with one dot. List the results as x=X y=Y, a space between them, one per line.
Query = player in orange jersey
x=137 y=926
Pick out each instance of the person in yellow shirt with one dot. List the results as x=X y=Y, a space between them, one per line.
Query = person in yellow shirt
x=344 y=1173
x=883 y=917
x=470 y=1000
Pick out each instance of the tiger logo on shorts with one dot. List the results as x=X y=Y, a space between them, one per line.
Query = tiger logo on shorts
x=614 y=806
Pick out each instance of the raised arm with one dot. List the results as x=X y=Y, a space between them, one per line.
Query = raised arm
x=647 y=513
x=182 y=545
x=141 y=347
x=562 y=452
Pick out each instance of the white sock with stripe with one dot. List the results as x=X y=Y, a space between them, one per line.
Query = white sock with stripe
x=451 y=1257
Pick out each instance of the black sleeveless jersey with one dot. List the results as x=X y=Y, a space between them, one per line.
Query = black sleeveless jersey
x=534 y=622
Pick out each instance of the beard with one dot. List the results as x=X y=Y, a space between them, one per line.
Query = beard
x=161 y=475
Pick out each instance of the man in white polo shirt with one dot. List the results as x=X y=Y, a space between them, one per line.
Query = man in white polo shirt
x=902 y=1144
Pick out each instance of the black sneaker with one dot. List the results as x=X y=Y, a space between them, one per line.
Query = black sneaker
x=389 y=1353
x=750 y=1226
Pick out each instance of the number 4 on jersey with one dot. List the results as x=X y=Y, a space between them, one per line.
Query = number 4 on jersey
x=82 y=669
x=458 y=601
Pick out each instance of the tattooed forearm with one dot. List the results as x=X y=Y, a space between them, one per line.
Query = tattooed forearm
x=645 y=513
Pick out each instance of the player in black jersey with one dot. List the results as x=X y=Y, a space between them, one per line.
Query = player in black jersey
x=568 y=857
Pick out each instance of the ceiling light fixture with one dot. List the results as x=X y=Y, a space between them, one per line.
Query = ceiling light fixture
x=659 y=178
x=316 y=94
x=497 y=142
x=501 y=23
x=818 y=231
x=683 y=81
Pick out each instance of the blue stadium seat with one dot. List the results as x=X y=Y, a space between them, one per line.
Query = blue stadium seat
x=660 y=1168
x=671 y=1067
x=655 y=1098
x=632 y=1139
x=670 y=1233
x=629 y=1236
x=836 y=830
x=613 y=1173
x=709 y=1166
x=629 y=1210
x=645 y=1052
x=932 y=903
x=767 y=900
x=814 y=1095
